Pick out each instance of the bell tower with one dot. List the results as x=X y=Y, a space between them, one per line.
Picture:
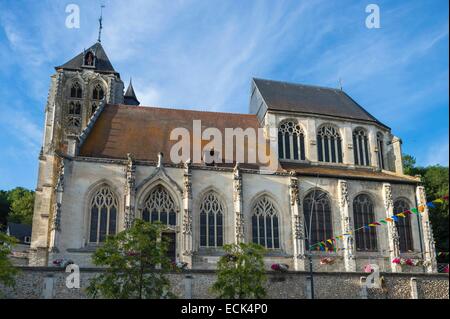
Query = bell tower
x=76 y=90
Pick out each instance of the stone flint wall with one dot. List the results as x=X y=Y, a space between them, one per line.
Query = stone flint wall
x=48 y=282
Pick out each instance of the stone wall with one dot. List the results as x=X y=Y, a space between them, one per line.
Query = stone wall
x=47 y=282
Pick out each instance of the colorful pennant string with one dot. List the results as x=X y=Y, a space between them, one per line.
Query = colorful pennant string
x=394 y=218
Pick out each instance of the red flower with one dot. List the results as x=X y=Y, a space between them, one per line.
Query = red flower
x=396 y=261
x=446 y=269
x=409 y=262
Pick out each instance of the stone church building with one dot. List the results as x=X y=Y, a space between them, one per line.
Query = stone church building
x=105 y=161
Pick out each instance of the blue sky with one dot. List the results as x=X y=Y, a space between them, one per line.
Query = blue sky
x=202 y=55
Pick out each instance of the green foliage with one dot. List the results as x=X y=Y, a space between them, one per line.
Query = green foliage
x=21 y=205
x=136 y=264
x=409 y=163
x=7 y=270
x=4 y=208
x=240 y=272
x=436 y=181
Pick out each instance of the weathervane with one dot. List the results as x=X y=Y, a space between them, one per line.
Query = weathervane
x=100 y=23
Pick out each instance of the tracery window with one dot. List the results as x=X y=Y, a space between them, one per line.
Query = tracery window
x=265 y=224
x=317 y=213
x=93 y=108
x=76 y=91
x=361 y=147
x=103 y=215
x=73 y=117
x=211 y=221
x=363 y=212
x=97 y=92
x=380 y=150
x=291 y=141
x=160 y=206
x=404 y=226
x=329 y=145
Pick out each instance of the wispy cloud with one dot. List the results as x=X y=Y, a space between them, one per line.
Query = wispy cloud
x=202 y=55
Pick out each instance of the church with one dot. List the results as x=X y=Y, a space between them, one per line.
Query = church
x=106 y=161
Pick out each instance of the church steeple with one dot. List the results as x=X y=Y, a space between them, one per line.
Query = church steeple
x=130 y=97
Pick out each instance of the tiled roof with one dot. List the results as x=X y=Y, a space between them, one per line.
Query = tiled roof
x=283 y=96
x=145 y=131
x=347 y=173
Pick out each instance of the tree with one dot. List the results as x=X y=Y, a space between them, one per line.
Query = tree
x=409 y=163
x=435 y=179
x=7 y=270
x=136 y=264
x=241 y=272
x=4 y=208
x=21 y=205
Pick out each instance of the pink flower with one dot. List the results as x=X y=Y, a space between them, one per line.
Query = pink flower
x=409 y=262
x=396 y=261
x=446 y=269
x=368 y=269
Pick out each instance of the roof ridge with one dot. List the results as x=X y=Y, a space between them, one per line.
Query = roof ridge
x=179 y=109
x=301 y=84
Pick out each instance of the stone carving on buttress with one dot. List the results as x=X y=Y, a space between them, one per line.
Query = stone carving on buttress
x=187 y=194
x=237 y=197
x=388 y=205
x=130 y=188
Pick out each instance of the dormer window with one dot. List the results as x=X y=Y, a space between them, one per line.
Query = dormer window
x=89 y=59
x=76 y=91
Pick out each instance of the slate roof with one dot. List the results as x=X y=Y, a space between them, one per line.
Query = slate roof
x=19 y=231
x=283 y=96
x=102 y=63
x=130 y=97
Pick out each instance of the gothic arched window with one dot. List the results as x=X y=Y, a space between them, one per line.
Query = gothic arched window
x=317 y=212
x=97 y=92
x=361 y=147
x=404 y=226
x=363 y=214
x=160 y=206
x=76 y=91
x=74 y=108
x=329 y=145
x=291 y=141
x=93 y=108
x=380 y=150
x=103 y=219
x=211 y=221
x=265 y=226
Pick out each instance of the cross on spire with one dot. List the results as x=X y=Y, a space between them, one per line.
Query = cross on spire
x=100 y=24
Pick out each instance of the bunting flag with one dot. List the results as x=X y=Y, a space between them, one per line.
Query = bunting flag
x=431 y=205
x=421 y=209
